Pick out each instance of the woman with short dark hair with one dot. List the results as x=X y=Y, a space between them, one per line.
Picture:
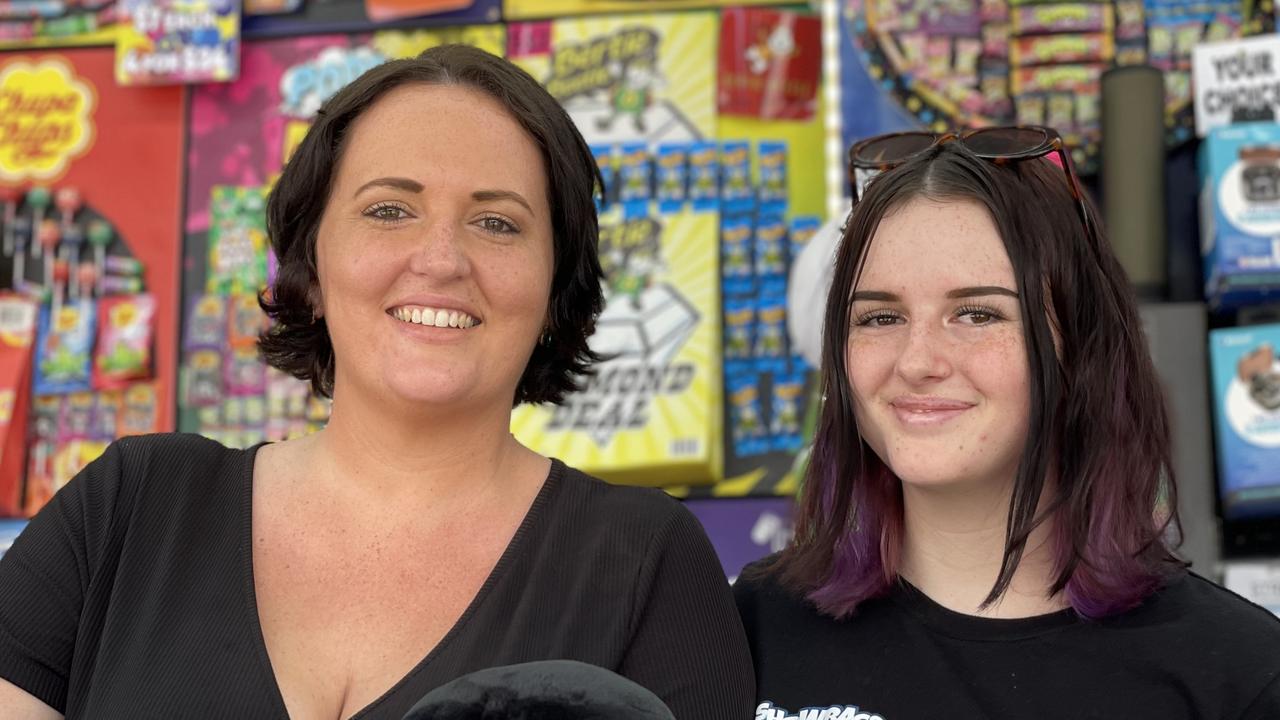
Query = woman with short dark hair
x=437 y=241
x=299 y=343
x=987 y=523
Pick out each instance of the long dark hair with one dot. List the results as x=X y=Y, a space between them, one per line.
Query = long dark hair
x=1098 y=423
x=298 y=343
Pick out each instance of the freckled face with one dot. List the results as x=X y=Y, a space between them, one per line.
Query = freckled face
x=936 y=355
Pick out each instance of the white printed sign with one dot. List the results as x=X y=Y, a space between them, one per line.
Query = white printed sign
x=1239 y=77
x=1258 y=582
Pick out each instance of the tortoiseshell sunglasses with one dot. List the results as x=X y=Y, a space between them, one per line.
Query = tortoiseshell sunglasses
x=870 y=157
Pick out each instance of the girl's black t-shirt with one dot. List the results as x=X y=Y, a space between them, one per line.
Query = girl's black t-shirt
x=131 y=595
x=1192 y=651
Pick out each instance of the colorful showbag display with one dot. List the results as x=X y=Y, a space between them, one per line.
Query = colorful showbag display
x=163 y=42
x=737 y=196
x=124 y=340
x=18 y=315
x=97 y=263
x=634 y=79
x=385 y=10
x=44 y=23
x=242 y=132
x=769 y=63
x=238 y=254
x=254 y=8
x=769 y=389
x=1240 y=213
x=1003 y=62
x=64 y=348
x=228 y=394
x=27 y=23
x=651 y=414
x=1246 y=410
x=524 y=9
x=290 y=18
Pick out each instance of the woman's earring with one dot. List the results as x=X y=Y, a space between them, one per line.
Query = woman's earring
x=545 y=340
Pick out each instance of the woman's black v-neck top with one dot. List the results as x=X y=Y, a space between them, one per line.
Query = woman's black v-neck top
x=131 y=595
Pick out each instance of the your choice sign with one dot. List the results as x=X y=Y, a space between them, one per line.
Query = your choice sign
x=1235 y=81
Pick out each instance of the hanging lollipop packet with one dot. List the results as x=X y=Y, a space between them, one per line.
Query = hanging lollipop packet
x=206 y=323
x=124 y=340
x=139 y=413
x=245 y=321
x=64 y=350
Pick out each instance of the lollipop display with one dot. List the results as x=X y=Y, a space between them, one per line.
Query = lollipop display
x=9 y=197
x=47 y=237
x=68 y=201
x=38 y=202
x=100 y=237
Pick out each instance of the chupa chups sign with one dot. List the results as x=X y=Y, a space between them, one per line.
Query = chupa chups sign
x=46 y=119
x=1235 y=81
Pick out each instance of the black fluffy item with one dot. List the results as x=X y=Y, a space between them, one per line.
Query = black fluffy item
x=543 y=690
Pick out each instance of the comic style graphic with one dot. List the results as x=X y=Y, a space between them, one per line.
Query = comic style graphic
x=641 y=88
x=651 y=414
x=632 y=78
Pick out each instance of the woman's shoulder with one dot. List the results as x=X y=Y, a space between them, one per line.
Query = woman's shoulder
x=764 y=598
x=1216 y=612
x=148 y=483
x=610 y=503
x=758 y=579
x=183 y=454
x=1192 y=618
x=762 y=581
x=173 y=446
x=1205 y=633
x=168 y=467
x=622 y=519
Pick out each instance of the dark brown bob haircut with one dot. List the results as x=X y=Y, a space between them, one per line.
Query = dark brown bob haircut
x=298 y=342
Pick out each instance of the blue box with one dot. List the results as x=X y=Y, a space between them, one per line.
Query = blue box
x=1246 y=417
x=1240 y=214
x=9 y=531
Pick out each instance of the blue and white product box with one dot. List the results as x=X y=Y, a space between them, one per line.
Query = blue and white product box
x=9 y=531
x=1246 y=416
x=1240 y=214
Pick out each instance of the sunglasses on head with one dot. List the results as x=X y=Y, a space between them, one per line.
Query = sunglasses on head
x=870 y=157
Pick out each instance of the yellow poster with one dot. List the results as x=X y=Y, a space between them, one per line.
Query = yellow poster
x=652 y=414
x=634 y=78
x=526 y=9
x=408 y=43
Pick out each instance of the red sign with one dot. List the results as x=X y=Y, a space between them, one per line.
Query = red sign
x=769 y=64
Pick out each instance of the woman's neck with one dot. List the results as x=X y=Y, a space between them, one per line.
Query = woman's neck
x=953 y=546
x=412 y=457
